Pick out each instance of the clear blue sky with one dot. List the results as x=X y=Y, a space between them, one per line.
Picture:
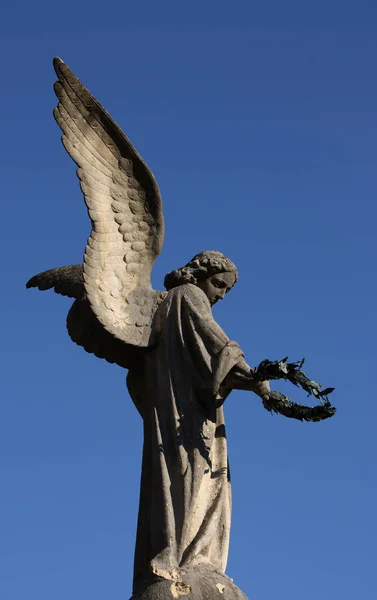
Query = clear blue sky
x=259 y=122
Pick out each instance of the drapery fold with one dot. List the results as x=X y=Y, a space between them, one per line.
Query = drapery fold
x=185 y=496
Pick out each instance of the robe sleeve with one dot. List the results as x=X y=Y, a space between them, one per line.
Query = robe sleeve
x=209 y=351
x=219 y=364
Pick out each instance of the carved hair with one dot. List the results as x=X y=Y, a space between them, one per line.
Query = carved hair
x=203 y=265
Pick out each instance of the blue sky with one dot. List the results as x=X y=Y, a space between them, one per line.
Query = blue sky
x=259 y=121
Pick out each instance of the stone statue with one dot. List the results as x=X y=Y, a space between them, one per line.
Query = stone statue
x=181 y=365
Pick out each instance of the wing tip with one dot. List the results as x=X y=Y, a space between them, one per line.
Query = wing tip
x=37 y=282
x=57 y=62
x=61 y=69
x=33 y=282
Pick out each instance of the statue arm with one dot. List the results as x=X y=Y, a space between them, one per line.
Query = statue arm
x=241 y=377
x=224 y=364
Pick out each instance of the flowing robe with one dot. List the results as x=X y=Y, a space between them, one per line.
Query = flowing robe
x=185 y=496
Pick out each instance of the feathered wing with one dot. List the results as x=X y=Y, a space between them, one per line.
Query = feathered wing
x=67 y=281
x=83 y=327
x=125 y=208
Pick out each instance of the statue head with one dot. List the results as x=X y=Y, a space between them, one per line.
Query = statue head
x=210 y=270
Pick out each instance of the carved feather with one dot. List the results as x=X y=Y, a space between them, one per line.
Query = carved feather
x=67 y=281
x=83 y=327
x=125 y=208
x=85 y=330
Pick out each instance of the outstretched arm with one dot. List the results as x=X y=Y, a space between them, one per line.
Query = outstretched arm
x=241 y=377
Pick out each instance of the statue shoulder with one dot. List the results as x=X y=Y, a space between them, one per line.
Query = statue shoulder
x=191 y=293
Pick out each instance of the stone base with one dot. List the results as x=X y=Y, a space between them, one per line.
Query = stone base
x=201 y=582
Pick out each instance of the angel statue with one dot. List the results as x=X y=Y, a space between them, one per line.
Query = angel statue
x=181 y=365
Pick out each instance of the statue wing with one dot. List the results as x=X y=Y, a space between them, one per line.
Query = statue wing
x=83 y=327
x=125 y=208
x=67 y=281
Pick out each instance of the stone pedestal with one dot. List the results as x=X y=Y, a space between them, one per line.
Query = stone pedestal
x=201 y=582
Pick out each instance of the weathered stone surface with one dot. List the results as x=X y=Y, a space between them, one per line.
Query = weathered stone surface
x=199 y=583
x=181 y=364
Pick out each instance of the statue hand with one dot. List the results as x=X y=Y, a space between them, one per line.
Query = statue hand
x=262 y=388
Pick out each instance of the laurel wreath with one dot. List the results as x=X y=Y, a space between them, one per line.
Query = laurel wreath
x=275 y=402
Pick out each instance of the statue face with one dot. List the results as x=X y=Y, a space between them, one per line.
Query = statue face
x=216 y=286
